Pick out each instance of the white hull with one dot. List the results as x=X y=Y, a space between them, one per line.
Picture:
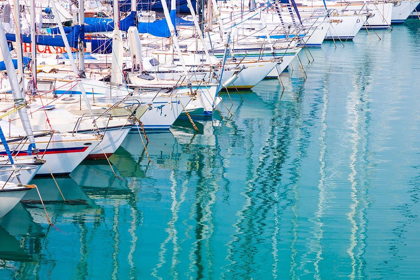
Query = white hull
x=252 y=74
x=315 y=37
x=402 y=10
x=205 y=100
x=113 y=137
x=20 y=173
x=164 y=111
x=67 y=152
x=344 y=27
x=10 y=195
x=281 y=67
x=381 y=15
x=158 y=115
x=204 y=95
x=62 y=153
x=68 y=119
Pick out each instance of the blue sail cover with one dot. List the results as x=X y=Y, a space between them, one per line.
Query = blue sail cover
x=182 y=22
x=100 y=45
x=50 y=40
x=25 y=62
x=107 y=25
x=93 y=25
x=56 y=30
x=158 y=28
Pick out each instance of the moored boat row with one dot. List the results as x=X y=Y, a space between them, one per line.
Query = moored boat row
x=75 y=92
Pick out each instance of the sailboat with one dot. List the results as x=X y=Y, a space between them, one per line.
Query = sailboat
x=10 y=195
x=150 y=105
x=62 y=152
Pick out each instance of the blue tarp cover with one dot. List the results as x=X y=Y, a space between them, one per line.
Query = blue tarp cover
x=101 y=45
x=25 y=62
x=93 y=25
x=158 y=28
x=50 y=40
x=182 y=22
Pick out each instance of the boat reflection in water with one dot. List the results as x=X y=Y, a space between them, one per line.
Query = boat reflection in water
x=19 y=241
x=290 y=184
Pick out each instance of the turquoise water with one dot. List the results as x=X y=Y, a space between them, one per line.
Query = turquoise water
x=319 y=181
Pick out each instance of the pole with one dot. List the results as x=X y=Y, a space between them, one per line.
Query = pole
x=73 y=64
x=173 y=33
x=19 y=46
x=33 y=47
x=82 y=41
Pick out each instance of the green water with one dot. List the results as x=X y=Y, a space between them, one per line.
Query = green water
x=319 y=181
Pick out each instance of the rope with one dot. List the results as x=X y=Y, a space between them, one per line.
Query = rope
x=144 y=145
x=188 y=115
x=144 y=132
x=107 y=159
x=42 y=202
x=36 y=87
x=55 y=181
x=13 y=111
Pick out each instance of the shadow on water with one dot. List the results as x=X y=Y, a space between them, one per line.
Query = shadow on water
x=20 y=241
x=10 y=248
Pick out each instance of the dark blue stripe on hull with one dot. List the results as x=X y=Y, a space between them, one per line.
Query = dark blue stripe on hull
x=49 y=151
x=377 y=26
x=339 y=38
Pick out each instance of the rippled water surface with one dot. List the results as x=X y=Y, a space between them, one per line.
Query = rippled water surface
x=320 y=181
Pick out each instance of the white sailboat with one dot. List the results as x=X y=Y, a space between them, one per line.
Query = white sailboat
x=402 y=10
x=21 y=171
x=10 y=195
x=62 y=152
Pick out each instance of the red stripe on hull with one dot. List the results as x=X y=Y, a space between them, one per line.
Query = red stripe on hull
x=99 y=156
x=81 y=150
x=48 y=152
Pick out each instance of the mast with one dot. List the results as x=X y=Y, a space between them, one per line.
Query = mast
x=33 y=48
x=134 y=42
x=73 y=64
x=134 y=7
x=200 y=11
x=117 y=49
x=117 y=15
x=82 y=38
x=18 y=98
x=251 y=4
x=218 y=15
x=173 y=33
x=19 y=50
x=265 y=27
x=200 y=33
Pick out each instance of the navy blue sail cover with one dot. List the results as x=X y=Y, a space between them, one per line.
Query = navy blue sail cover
x=54 y=40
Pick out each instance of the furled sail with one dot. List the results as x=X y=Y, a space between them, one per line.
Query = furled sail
x=50 y=40
x=158 y=28
x=94 y=25
x=25 y=62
